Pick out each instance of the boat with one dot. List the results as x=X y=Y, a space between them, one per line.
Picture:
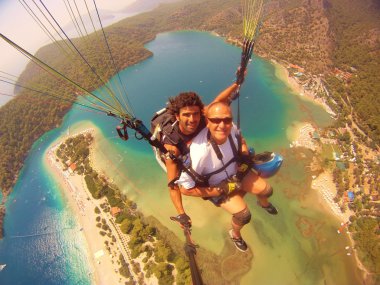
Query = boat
x=2 y=266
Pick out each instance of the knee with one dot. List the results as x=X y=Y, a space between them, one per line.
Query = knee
x=267 y=192
x=242 y=218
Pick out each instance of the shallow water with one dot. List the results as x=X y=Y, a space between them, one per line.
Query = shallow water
x=300 y=245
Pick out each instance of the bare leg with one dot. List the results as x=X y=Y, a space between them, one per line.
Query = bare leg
x=254 y=184
x=263 y=201
x=233 y=205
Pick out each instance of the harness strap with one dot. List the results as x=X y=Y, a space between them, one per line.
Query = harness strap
x=200 y=180
x=215 y=147
x=220 y=169
x=203 y=180
x=236 y=151
x=219 y=155
x=169 y=133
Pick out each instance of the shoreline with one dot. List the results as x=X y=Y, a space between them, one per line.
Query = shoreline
x=324 y=184
x=282 y=73
x=103 y=263
x=301 y=136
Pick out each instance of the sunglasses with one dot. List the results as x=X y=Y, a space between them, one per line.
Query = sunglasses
x=217 y=121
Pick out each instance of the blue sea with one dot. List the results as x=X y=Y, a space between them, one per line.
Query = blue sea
x=43 y=243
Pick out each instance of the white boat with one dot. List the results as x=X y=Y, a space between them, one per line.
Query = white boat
x=2 y=266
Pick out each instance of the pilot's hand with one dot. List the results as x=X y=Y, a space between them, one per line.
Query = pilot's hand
x=226 y=187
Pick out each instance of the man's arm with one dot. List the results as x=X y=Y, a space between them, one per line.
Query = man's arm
x=175 y=195
x=200 y=191
x=244 y=146
x=227 y=94
x=172 y=174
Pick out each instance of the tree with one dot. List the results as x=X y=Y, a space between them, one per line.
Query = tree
x=164 y=273
x=126 y=226
x=162 y=252
x=367 y=241
x=183 y=272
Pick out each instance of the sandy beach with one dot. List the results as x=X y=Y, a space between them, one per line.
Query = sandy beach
x=301 y=136
x=283 y=74
x=325 y=185
x=104 y=260
x=324 y=182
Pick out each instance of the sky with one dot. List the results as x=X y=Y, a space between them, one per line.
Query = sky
x=17 y=25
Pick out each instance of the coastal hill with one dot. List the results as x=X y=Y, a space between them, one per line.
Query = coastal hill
x=298 y=34
x=145 y=5
x=339 y=40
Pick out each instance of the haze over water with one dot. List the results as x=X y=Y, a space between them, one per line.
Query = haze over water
x=284 y=253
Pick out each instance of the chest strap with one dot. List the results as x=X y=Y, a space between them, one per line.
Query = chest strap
x=219 y=154
x=203 y=180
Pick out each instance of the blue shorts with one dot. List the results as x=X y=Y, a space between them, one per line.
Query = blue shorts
x=216 y=200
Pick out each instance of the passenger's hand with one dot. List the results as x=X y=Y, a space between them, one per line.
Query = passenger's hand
x=228 y=186
x=240 y=75
x=235 y=94
x=183 y=219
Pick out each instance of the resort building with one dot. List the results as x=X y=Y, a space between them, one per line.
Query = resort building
x=115 y=211
x=72 y=168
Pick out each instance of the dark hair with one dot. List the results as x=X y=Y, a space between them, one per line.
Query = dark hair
x=184 y=99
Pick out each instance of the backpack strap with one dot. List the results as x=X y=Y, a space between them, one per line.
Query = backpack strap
x=168 y=129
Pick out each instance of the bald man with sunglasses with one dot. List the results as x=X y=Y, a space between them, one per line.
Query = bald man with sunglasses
x=214 y=156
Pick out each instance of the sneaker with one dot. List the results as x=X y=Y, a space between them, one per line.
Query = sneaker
x=239 y=242
x=270 y=209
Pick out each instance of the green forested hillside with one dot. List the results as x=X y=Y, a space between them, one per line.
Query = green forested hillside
x=297 y=32
x=321 y=35
x=26 y=118
x=355 y=29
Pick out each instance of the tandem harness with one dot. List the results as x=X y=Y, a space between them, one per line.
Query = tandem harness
x=165 y=128
x=203 y=180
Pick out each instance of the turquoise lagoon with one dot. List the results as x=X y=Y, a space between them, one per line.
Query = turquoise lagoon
x=43 y=243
